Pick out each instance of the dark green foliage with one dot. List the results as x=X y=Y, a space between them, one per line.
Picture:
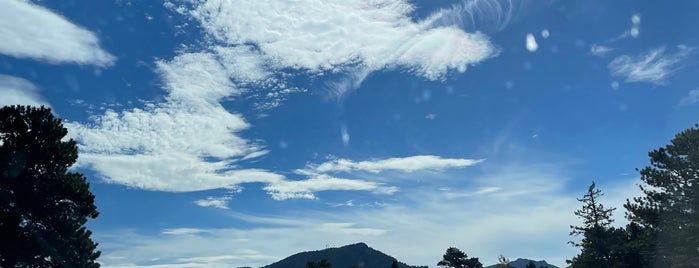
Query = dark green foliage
x=531 y=264
x=43 y=206
x=669 y=210
x=598 y=243
x=455 y=258
x=394 y=264
x=320 y=264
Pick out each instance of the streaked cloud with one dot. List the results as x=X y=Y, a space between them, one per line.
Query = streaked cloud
x=353 y=37
x=190 y=142
x=305 y=189
x=691 y=98
x=31 y=31
x=18 y=91
x=217 y=202
x=187 y=143
x=533 y=195
x=600 y=50
x=402 y=164
x=654 y=66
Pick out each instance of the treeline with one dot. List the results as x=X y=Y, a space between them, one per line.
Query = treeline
x=663 y=228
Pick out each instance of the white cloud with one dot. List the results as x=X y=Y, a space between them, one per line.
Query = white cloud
x=32 y=31
x=531 y=44
x=479 y=15
x=189 y=142
x=18 y=91
x=652 y=67
x=600 y=50
x=217 y=202
x=533 y=196
x=691 y=98
x=184 y=231
x=186 y=143
x=283 y=190
x=403 y=164
x=339 y=36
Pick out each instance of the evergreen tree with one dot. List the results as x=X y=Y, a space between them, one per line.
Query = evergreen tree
x=455 y=258
x=669 y=210
x=596 y=249
x=43 y=206
x=321 y=264
x=531 y=264
x=394 y=264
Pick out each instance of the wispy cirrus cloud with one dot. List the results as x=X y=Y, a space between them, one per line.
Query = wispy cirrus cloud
x=655 y=66
x=401 y=164
x=305 y=189
x=600 y=50
x=532 y=195
x=691 y=98
x=190 y=142
x=352 y=37
x=217 y=202
x=19 y=91
x=31 y=31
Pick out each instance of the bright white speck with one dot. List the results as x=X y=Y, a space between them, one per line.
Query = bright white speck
x=636 y=19
x=634 y=32
x=531 y=43
x=545 y=33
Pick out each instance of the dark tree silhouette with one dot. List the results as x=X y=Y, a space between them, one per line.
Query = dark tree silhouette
x=455 y=258
x=669 y=209
x=531 y=264
x=321 y=264
x=596 y=246
x=43 y=206
x=394 y=264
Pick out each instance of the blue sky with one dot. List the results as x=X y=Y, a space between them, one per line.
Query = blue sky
x=228 y=133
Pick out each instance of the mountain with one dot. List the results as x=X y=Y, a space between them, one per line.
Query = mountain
x=357 y=255
x=522 y=263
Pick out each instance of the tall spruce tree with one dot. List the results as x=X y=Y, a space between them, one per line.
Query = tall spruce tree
x=669 y=208
x=43 y=206
x=596 y=249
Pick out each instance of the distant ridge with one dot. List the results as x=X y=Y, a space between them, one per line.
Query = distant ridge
x=522 y=263
x=354 y=255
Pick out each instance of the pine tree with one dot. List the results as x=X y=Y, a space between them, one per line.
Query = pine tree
x=455 y=258
x=43 y=206
x=596 y=250
x=669 y=209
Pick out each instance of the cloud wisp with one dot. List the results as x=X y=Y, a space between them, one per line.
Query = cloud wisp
x=433 y=218
x=654 y=66
x=305 y=189
x=18 y=91
x=190 y=142
x=401 y=164
x=353 y=37
x=691 y=98
x=32 y=31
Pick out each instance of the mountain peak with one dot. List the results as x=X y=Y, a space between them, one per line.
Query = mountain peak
x=353 y=255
